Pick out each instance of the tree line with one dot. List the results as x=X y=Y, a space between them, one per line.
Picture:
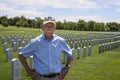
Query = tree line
x=80 y=25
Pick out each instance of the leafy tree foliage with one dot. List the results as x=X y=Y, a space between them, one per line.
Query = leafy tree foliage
x=80 y=25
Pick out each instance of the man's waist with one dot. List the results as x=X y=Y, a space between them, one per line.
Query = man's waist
x=50 y=75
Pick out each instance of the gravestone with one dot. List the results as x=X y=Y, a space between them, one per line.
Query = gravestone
x=5 y=46
x=85 y=51
x=79 y=52
x=113 y=45
x=102 y=48
x=106 y=46
x=73 y=54
x=82 y=44
x=65 y=59
x=2 y=39
x=19 y=49
x=12 y=41
x=15 y=69
x=75 y=45
x=8 y=54
x=31 y=62
x=89 y=50
x=23 y=44
x=15 y=46
x=79 y=43
x=71 y=45
x=109 y=46
x=88 y=41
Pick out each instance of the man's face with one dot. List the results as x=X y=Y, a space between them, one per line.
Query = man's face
x=48 y=29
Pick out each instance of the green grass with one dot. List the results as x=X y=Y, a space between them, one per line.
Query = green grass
x=104 y=66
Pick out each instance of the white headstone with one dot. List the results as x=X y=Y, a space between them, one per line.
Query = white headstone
x=73 y=54
x=31 y=62
x=99 y=48
x=89 y=50
x=85 y=51
x=15 y=69
x=19 y=49
x=8 y=54
x=5 y=46
x=15 y=46
x=79 y=52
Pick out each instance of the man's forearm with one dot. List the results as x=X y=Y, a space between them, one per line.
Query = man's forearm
x=69 y=59
x=24 y=62
x=65 y=70
x=31 y=72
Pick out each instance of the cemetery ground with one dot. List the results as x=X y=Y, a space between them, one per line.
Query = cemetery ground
x=98 y=66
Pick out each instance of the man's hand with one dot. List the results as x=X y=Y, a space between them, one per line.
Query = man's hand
x=63 y=73
x=33 y=74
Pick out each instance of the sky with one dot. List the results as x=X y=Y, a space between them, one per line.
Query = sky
x=69 y=10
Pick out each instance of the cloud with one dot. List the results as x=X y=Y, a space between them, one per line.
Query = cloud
x=118 y=10
x=81 y=4
x=77 y=4
x=32 y=8
x=87 y=18
x=37 y=8
x=84 y=17
x=115 y=3
x=13 y=11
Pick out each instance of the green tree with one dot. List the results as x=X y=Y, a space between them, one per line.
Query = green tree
x=38 y=22
x=90 y=25
x=81 y=25
x=59 y=25
x=113 y=26
x=19 y=23
x=25 y=24
x=65 y=25
x=15 y=20
x=4 y=21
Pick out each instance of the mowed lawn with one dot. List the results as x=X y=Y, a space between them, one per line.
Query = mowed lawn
x=104 y=66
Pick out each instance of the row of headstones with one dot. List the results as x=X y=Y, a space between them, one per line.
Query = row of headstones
x=75 y=45
x=78 y=53
x=8 y=53
x=72 y=45
x=13 y=41
x=96 y=41
x=21 y=41
x=86 y=51
x=109 y=46
x=17 y=42
x=15 y=46
x=15 y=37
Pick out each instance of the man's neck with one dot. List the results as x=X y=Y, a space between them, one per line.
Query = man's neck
x=49 y=37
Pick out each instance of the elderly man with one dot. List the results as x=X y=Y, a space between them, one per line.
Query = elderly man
x=46 y=50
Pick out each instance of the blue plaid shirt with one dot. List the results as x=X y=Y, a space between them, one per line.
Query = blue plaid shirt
x=46 y=54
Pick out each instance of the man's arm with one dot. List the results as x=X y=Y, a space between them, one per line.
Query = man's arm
x=30 y=71
x=65 y=70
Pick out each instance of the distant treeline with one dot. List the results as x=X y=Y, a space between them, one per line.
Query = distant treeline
x=81 y=25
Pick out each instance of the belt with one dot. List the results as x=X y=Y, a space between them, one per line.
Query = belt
x=50 y=75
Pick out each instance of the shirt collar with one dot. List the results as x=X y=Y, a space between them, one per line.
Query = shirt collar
x=43 y=36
